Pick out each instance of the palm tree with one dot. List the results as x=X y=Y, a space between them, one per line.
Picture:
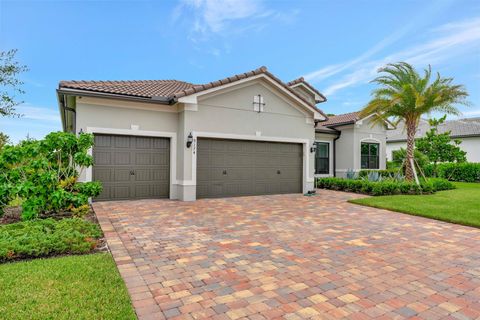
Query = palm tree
x=404 y=95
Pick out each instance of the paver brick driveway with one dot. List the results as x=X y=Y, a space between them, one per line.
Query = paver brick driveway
x=290 y=257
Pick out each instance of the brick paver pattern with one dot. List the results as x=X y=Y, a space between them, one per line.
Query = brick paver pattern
x=290 y=257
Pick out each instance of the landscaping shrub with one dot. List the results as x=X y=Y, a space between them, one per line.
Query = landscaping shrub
x=44 y=237
x=439 y=184
x=383 y=187
x=388 y=173
x=43 y=173
x=462 y=172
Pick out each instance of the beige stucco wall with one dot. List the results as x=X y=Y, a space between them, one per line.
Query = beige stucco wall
x=348 y=146
x=227 y=113
x=305 y=93
x=104 y=113
x=470 y=145
x=230 y=114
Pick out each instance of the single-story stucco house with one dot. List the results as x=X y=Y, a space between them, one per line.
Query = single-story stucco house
x=249 y=134
x=466 y=130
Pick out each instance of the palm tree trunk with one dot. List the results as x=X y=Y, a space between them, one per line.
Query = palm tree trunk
x=411 y=128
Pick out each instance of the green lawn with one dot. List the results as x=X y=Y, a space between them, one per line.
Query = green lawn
x=461 y=205
x=72 y=287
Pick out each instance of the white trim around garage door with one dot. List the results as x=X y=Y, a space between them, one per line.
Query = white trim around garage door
x=143 y=133
x=305 y=142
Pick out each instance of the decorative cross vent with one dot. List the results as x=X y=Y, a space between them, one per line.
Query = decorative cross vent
x=258 y=103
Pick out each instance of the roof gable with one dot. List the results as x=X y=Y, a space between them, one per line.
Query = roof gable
x=170 y=91
x=303 y=83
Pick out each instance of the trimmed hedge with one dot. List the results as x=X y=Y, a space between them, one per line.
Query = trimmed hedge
x=384 y=187
x=45 y=237
x=388 y=173
x=464 y=172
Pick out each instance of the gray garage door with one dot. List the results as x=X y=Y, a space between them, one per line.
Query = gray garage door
x=228 y=168
x=132 y=167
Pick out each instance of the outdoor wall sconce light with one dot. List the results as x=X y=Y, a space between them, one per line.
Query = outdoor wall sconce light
x=313 y=148
x=189 y=140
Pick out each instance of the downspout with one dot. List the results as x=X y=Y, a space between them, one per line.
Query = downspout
x=335 y=154
x=74 y=118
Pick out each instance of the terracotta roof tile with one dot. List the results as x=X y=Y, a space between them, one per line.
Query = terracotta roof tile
x=169 y=89
x=345 y=118
x=137 y=88
x=303 y=81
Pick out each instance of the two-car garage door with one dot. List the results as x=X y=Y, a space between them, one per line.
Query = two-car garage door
x=134 y=167
x=227 y=168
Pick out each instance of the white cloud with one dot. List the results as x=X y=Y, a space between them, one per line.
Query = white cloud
x=38 y=113
x=213 y=16
x=219 y=21
x=444 y=42
x=471 y=113
x=335 y=69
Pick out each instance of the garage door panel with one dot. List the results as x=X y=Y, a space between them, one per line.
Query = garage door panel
x=120 y=192
x=240 y=174
x=240 y=160
x=103 y=141
x=143 y=143
x=117 y=157
x=120 y=175
x=252 y=167
x=217 y=145
x=217 y=159
x=102 y=158
x=160 y=159
x=122 y=141
x=104 y=174
x=121 y=158
x=203 y=175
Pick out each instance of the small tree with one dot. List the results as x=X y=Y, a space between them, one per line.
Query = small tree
x=439 y=147
x=4 y=139
x=10 y=85
x=399 y=158
x=403 y=94
x=44 y=173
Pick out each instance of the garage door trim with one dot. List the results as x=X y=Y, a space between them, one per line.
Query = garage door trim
x=143 y=133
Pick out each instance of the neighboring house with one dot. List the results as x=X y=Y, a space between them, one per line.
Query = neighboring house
x=466 y=130
x=348 y=142
x=249 y=134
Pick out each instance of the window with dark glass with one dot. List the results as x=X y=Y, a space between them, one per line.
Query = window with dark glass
x=322 y=159
x=370 y=155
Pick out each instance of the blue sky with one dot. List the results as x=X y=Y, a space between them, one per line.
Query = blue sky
x=336 y=45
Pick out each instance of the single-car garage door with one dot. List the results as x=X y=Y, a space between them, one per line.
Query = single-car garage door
x=228 y=168
x=131 y=167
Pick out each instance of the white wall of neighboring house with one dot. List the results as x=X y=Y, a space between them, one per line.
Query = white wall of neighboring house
x=470 y=145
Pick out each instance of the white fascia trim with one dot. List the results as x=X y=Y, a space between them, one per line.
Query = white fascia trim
x=198 y=134
x=143 y=133
x=193 y=98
